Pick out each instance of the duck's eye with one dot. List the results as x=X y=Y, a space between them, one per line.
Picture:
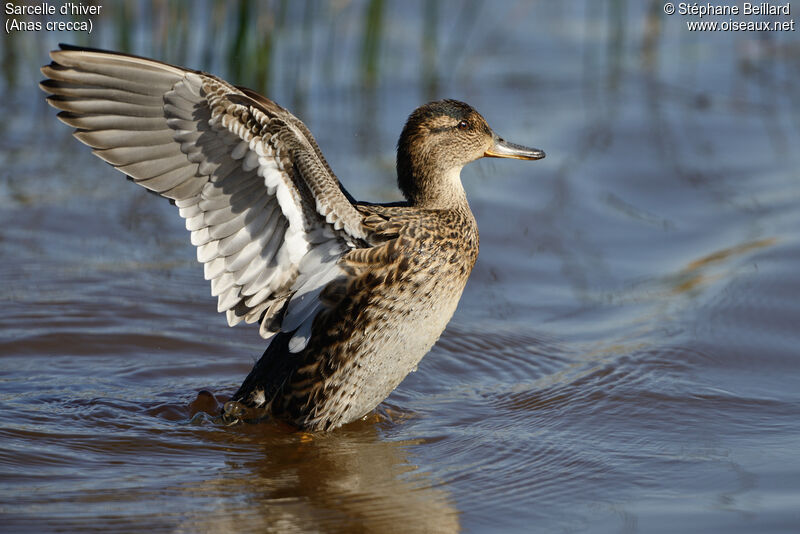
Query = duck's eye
x=463 y=125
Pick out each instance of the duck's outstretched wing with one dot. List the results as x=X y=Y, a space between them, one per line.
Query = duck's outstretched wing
x=266 y=213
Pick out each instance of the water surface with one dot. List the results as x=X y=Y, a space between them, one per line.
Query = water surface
x=624 y=358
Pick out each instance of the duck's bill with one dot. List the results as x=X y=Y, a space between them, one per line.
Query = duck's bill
x=504 y=149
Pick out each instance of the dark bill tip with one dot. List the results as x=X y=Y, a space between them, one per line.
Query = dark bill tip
x=504 y=149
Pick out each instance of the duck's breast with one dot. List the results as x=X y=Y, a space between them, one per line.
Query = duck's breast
x=392 y=315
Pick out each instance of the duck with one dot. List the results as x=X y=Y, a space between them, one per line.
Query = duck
x=350 y=295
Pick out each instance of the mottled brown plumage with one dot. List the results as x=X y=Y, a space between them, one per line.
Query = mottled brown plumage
x=353 y=295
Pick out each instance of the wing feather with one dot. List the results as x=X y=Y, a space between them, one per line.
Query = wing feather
x=127 y=155
x=268 y=217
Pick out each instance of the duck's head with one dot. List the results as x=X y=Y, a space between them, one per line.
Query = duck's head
x=438 y=139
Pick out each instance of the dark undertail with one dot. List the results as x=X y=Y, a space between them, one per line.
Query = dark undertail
x=268 y=375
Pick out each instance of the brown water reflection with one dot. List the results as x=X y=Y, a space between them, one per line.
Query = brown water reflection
x=624 y=357
x=696 y=273
x=349 y=480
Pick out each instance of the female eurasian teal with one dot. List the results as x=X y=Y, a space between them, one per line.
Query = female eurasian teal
x=352 y=294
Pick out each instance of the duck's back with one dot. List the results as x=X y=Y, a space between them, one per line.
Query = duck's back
x=378 y=323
